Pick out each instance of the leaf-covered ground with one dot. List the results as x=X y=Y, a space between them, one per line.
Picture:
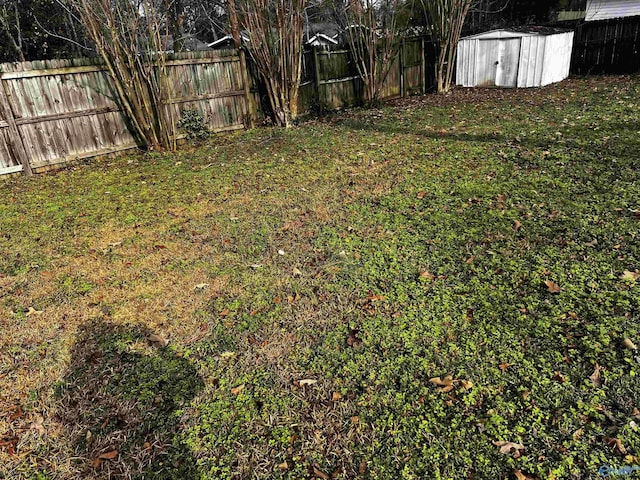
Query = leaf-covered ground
x=445 y=288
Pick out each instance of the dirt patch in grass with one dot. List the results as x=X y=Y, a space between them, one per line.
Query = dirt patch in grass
x=433 y=289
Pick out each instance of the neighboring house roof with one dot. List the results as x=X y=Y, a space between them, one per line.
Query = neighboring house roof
x=571 y=15
x=605 y=9
x=321 y=39
x=190 y=43
x=229 y=39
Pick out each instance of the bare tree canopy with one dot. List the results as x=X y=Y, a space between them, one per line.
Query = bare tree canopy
x=373 y=30
x=446 y=19
x=40 y=29
x=275 y=30
x=129 y=38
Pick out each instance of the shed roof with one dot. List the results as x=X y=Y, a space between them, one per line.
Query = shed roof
x=229 y=39
x=523 y=31
x=321 y=37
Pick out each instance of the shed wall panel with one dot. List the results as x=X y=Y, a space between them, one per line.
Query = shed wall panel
x=466 y=63
x=531 y=61
x=557 y=58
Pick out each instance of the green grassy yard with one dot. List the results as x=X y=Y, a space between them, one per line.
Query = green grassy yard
x=444 y=288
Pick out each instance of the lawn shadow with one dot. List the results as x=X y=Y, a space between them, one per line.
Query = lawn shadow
x=120 y=404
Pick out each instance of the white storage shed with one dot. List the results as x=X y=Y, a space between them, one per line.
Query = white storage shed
x=519 y=57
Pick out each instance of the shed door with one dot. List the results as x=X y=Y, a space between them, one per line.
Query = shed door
x=497 y=62
x=508 y=60
x=487 y=62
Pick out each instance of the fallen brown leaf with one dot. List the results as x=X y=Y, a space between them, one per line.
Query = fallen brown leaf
x=336 y=396
x=559 y=377
x=552 y=286
x=448 y=380
x=108 y=455
x=615 y=444
x=522 y=476
x=9 y=445
x=630 y=276
x=353 y=340
x=466 y=384
x=283 y=466
x=446 y=383
x=503 y=366
x=376 y=298
x=512 y=448
x=595 y=376
x=158 y=340
x=426 y=274
x=307 y=381
x=17 y=413
x=37 y=425
x=517 y=225
x=319 y=473
x=96 y=462
x=33 y=311
x=237 y=390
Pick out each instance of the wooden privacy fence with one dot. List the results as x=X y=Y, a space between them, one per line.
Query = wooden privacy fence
x=607 y=46
x=55 y=111
x=330 y=78
x=60 y=110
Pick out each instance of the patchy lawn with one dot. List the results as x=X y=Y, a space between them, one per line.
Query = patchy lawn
x=432 y=290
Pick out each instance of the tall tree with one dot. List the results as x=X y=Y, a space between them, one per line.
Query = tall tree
x=373 y=33
x=38 y=30
x=11 y=28
x=275 y=29
x=129 y=38
x=446 y=19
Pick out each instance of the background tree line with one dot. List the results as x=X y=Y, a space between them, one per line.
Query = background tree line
x=45 y=29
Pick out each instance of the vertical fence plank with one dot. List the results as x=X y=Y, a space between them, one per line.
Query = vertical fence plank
x=251 y=108
x=17 y=147
x=423 y=73
x=401 y=67
x=316 y=77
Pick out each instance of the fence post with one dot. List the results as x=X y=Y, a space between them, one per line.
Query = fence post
x=423 y=70
x=403 y=92
x=316 y=78
x=14 y=134
x=244 y=69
